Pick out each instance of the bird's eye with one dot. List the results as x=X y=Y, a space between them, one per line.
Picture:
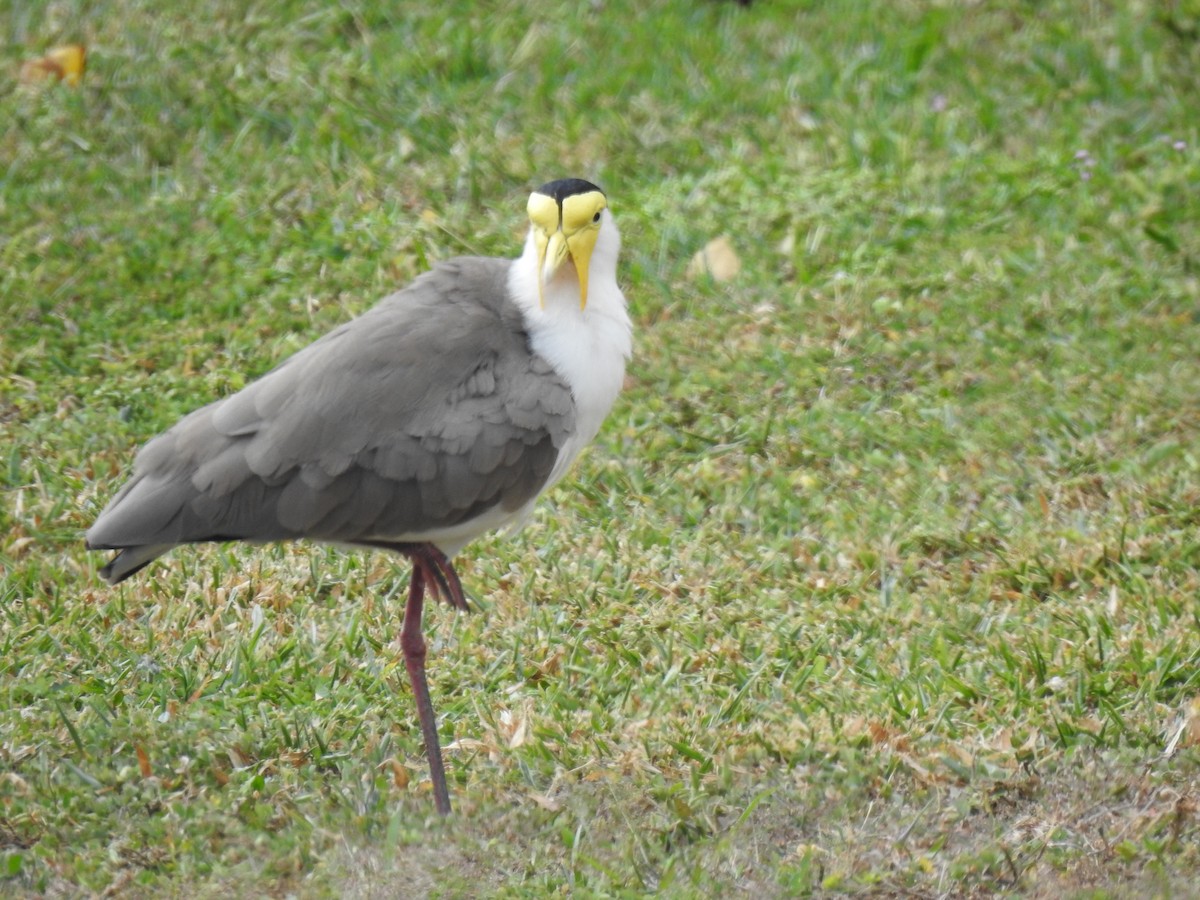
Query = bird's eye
x=596 y=217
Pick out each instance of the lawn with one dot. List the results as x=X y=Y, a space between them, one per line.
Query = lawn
x=881 y=579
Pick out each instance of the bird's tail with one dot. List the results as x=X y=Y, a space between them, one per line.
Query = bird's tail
x=131 y=560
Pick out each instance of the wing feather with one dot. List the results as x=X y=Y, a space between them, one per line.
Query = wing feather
x=421 y=414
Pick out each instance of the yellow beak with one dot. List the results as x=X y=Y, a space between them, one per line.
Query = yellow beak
x=554 y=252
x=580 y=245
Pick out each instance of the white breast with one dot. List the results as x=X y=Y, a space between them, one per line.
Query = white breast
x=587 y=347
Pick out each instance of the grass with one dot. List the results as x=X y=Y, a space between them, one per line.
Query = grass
x=881 y=579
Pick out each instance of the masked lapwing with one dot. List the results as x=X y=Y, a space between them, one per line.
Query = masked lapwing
x=438 y=415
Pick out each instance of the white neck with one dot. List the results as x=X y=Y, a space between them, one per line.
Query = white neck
x=587 y=347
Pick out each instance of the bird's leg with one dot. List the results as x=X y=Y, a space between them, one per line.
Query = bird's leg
x=432 y=569
x=412 y=642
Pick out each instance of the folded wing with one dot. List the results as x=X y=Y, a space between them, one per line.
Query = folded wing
x=425 y=413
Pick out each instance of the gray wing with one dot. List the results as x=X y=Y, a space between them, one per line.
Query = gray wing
x=421 y=414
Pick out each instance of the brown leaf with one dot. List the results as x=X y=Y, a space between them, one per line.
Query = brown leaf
x=515 y=726
x=550 y=666
x=296 y=758
x=195 y=695
x=13 y=780
x=547 y=803
x=1185 y=731
x=143 y=762
x=882 y=735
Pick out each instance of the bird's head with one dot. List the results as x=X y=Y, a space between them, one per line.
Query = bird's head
x=566 y=218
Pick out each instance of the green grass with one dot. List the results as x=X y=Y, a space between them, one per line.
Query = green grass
x=880 y=580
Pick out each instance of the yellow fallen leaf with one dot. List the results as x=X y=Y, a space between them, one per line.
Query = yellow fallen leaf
x=718 y=260
x=72 y=59
x=65 y=63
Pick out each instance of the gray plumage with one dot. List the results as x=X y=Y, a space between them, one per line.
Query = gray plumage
x=421 y=414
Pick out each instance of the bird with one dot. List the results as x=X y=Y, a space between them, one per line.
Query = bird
x=438 y=415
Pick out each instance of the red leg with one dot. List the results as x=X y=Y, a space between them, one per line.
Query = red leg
x=412 y=642
x=432 y=569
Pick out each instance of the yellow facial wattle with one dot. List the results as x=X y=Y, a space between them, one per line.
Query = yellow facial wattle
x=565 y=229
